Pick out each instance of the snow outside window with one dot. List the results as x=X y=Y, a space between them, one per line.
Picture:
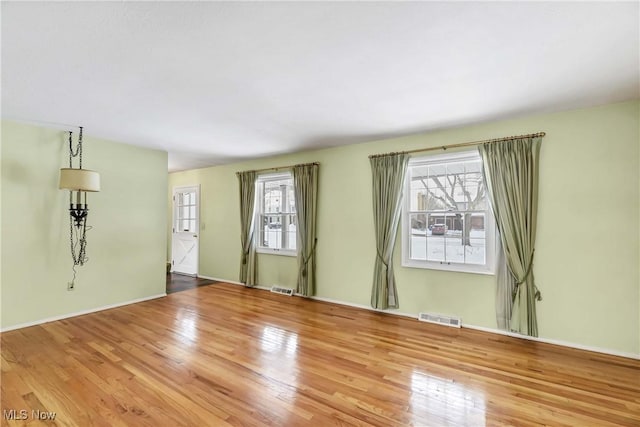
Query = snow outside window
x=447 y=223
x=275 y=223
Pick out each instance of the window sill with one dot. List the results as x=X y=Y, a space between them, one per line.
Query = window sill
x=282 y=252
x=454 y=267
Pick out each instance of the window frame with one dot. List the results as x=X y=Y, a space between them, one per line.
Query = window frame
x=260 y=180
x=489 y=268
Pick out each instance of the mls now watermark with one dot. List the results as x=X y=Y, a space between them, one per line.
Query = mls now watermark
x=23 y=414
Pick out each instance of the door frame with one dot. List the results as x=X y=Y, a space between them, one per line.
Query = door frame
x=175 y=190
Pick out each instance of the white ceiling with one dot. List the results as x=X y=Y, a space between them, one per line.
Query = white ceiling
x=217 y=82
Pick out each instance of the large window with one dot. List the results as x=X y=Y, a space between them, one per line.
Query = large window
x=447 y=221
x=276 y=214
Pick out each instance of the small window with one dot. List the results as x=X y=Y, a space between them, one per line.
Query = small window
x=185 y=212
x=447 y=220
x=275 y=214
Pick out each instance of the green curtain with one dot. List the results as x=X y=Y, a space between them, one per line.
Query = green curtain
x=511 y=174
x=388 y=174
x=248 y=264
x=505 y=289
x=305 y=182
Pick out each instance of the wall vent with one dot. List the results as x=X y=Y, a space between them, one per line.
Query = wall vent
x=281 y=290
x=440 y=319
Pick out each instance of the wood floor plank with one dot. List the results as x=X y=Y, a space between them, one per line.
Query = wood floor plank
x=223 y=354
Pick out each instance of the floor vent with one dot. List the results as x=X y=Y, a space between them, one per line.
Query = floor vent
x=440 y=319
x=280 y=290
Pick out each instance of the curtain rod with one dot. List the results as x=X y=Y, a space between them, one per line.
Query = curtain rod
x=465 y=144
x=281 y=167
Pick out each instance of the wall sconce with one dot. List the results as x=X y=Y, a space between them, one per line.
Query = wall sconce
x=79 y=181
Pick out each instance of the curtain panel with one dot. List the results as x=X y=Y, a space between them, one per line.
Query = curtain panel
x=511 y=175
x=388 y=173
x=248 y=264
x=505 y=290
x=305 y=182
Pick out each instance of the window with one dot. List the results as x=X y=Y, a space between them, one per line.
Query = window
x=447 y=220
x=185 y=211
x=276 y=214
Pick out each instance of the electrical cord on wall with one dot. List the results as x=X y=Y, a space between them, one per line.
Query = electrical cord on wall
x=82 y=257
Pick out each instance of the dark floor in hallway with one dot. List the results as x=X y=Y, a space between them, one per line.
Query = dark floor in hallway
x=180 y=282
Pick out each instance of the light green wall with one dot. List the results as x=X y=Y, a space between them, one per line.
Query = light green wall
x=125 y=246
x=1 y=238
x=587 y=248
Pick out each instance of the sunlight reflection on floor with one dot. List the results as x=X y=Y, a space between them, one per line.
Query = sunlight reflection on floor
x=278 y=362
x=455 y=403
x=186 y=324
x=276 y=340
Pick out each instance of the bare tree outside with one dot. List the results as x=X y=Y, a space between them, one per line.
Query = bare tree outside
x=455 y=190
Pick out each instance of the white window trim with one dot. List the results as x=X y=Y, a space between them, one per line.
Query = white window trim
x=273 y=251
x=256 y=218
x=490 y=229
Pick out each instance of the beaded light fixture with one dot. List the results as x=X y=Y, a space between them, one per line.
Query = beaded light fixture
x=79 y=182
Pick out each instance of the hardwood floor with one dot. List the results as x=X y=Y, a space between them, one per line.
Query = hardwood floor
x=226 y=355
x=180 y=282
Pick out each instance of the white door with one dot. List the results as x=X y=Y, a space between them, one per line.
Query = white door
x=186 y=226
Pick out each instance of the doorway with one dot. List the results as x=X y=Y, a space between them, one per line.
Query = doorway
x=180 y=282
x=185 y=248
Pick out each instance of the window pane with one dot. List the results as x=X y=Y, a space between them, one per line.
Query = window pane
x=473 y=178
x=271 y=231
x=276 y=203
x=453 y=198
x=435 y=232
x=418 y=236
x=418 y=248
x=455 y=168
x=418 y=188
x=291 y=199
x=475 y=252
x=419 y=171
x=272 y=198
x=192 y=212
x=435 y=223
x=435 y=248
x=474 y=192
x=477 y=226
x=437 y=170
x=454 y=249
x=437 y=199
x=292 y=235
x=273 y=238
x=262 y=235
x=458 y=195
x=418 y=195
x=418 y=224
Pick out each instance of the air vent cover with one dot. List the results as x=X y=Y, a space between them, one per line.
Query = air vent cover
x=440 y=319
x=281 y=290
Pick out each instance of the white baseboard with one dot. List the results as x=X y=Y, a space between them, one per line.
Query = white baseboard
x=233 y=282
x=217 y=279
x=479 y=328
x=184 y=274
x=80 y=313
x=555 y=342
x=365 y=307
x=485 y=329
